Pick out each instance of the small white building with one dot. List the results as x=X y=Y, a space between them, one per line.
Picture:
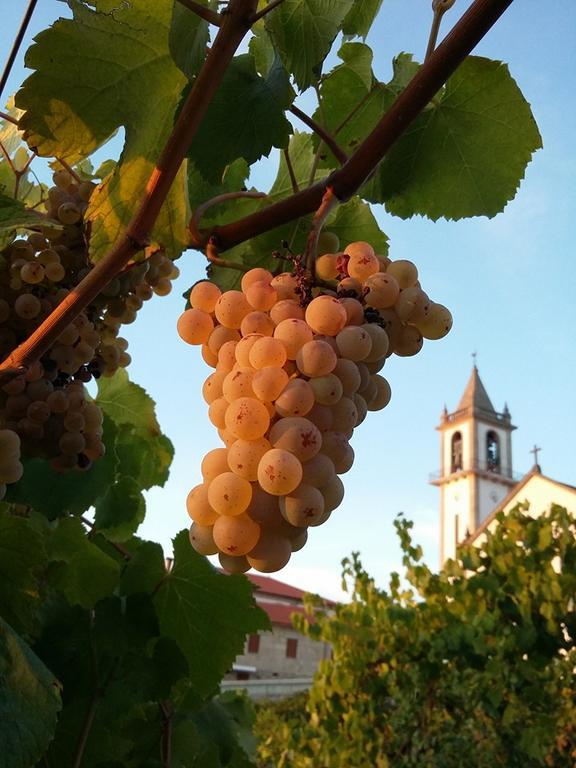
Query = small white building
x=476 y=477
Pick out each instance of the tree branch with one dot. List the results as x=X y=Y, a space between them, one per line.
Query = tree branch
x=201 y=10
x=270 y=7
x=346 y=181
x=326 y=137
x=235 y=24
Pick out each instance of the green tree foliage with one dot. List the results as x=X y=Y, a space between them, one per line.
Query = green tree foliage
x=476 y=660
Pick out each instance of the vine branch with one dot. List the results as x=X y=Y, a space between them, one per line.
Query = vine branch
x=234 y=26
x=346 y=181
x=194 y=222
x=270 y=7
x=202 y=11
x=17 y=43
x=8 y=118
x=290 y=167
x=326 y=137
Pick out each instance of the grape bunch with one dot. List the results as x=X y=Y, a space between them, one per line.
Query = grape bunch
x=48 y=406
x=10 y=466
x=292 y=381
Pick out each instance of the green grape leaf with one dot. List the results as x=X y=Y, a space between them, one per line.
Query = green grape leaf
x=83 y=572
x=193 y=591
x=14 y=216
x=29 y=702
x=303 y=32
x=404 y=68
x=189 y=37
x=360 y=17
x=120 y=510
x=127 y=403
x=259 y=251
x=352 y=100
x=54 y=494
x=145 y=570
x=262 y=49
x=466 y=155
x=221 y=736
x=22 y=560
x=200 y=189
x=245 y=119
x=353 y=221
x=87 y=83
x=301 y=153
x=143 y=457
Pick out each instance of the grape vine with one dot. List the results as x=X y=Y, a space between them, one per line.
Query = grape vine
x=296 y=327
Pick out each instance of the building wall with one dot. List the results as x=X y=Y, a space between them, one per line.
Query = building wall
x=271 y=659
x=540 y=493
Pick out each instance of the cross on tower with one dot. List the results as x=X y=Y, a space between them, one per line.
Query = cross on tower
x=536 y=451
x=474 y=355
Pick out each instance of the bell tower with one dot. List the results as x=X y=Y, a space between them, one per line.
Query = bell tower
x=476 y=464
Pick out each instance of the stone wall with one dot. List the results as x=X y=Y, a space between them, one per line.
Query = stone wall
x=271 y=659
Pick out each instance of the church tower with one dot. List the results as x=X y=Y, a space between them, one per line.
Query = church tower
x=476 y=464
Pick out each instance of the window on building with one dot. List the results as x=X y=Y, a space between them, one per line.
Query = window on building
x=253 y=643
x=492 y=452
x=456 y=453
x=291 y=648
x=456 y=533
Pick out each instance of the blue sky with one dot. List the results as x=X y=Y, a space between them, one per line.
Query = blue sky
x=510 y=282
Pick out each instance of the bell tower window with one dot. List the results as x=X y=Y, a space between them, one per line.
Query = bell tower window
x=456 y=452
x=492 y=452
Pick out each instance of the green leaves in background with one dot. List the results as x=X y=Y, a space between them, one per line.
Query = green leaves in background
x=475 y=659
x=23 y=559
x=109 y=67
x=303 y=32
x=245 y=119
x=127 y=403
x=13 y=216
x=464 y=156
x=82 y=572
x=206 y=613
x=29 y=702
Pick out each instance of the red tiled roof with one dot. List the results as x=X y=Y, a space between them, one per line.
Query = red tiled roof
x=280 y=614
x=275 y=587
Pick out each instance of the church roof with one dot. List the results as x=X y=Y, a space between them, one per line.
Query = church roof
x=475 y=397
x=535 y=471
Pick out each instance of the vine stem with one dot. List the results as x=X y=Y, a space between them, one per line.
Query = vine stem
x=439 y=8
x=8 y=118
x=235 y=24
x=194 y=222
x=270 y=7
x=346 y=181
x=326 y=137
x=202 y=11
x=17 y=43
x=329 y=202
x=290 y=167
x=118 y=547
